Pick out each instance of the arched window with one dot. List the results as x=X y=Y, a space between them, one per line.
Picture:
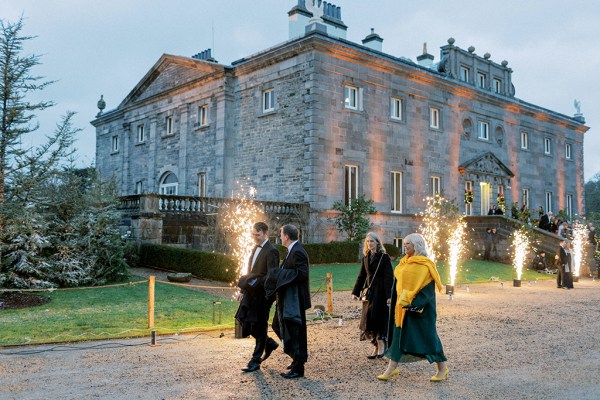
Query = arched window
x=168 y=184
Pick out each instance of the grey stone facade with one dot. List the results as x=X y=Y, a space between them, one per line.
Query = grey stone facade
x=298 y=151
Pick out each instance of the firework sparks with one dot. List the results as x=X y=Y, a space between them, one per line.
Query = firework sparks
x=238 y=219
x=520 y=244
x=456 y=247
x=579 y=238
x=431 y=224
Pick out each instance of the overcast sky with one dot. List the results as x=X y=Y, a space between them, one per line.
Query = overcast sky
x=94 y=47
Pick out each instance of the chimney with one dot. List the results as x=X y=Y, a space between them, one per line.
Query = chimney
x=373 y=41
x=316 y=15
x=425 y=59
x=204 y=56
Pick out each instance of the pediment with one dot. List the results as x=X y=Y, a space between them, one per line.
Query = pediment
x=170 y=72
x=486 y=165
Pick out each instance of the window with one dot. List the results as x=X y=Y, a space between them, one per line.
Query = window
x=481 y=80
x=168 y=184
x=203 y=115
x=464 y=74
x=568 y=149
x=497 y=86
x=169 y=125
x=398 y=243
x=351 y=97
x=468 y=197
x=396 y=191
x=483 y=131
x=434 y=118
x=139 y=187
x=524 y=140
x=268 y=100
x=548 y=201
x=570 y=205
x=525 y=197
x=201 y=184
x=115 y=144
x=547 y=146
x=350 y=183
x=435 y=183
x=141 y=134
x=396 y=109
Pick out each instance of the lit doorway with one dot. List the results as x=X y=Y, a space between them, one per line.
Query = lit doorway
x=486 y=190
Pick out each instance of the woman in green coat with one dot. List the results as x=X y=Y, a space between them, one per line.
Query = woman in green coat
x=413 y=335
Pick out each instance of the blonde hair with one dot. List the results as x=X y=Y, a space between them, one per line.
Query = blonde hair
x=380 y=248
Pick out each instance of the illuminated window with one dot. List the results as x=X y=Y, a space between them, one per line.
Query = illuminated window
x=396 y=191
x=469 y=205
x=435 y=183
x=203 y=115
x=350 y=184
x=525 y=198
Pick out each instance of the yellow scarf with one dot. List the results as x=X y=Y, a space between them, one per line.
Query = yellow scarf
x=412 y=275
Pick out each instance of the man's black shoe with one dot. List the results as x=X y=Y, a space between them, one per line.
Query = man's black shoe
x=271 y=345
x=292 y=374
x=252 y=366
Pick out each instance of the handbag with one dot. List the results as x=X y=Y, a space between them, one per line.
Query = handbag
x=366 y=293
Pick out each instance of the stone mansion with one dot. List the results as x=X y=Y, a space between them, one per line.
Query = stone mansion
x=319 y=119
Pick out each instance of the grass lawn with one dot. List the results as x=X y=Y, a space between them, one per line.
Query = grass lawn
x=112 y=312
x=122 y=311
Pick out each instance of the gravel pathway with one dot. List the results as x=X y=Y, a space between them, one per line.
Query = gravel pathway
x=532 y=342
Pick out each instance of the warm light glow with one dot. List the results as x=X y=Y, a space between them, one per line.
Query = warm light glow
x=577 y=245
x=431 y=224
x=520 y=245
x=456 y=247
x=238 y=219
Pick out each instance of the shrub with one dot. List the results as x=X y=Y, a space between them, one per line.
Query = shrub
x=327 y=253
x=392 y=250
x=204 y=265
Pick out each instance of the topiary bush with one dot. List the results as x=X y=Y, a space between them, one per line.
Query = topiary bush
x=202 y=264
x=392 y=250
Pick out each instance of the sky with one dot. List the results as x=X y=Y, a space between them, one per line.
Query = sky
x=105 y=47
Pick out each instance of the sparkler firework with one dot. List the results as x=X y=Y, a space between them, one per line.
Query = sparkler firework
x=520 y=244
x=579 y=238
x=456 y=247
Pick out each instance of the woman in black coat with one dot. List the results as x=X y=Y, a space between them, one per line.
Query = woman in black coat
x=376 y=273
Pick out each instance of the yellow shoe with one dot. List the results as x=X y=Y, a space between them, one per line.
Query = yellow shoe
x=444 y=376
x=387 y=377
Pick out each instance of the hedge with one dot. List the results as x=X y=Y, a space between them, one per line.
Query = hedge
x=328 y=253
x=202 y=264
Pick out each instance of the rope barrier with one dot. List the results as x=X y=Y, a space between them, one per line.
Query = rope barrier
x=77 y=288
x=198 y=286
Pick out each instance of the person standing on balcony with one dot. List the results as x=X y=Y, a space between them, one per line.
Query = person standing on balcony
x=254 y=309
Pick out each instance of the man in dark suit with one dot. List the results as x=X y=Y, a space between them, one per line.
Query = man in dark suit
x=290 y=286
x=253 y=312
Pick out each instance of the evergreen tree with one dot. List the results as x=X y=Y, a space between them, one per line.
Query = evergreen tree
x=353 y=218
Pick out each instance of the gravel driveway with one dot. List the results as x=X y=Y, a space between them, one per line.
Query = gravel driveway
x=532 y=342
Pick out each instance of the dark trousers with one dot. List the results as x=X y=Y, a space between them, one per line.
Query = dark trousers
x=259 y=333
x=295 y=343
x=560 y=275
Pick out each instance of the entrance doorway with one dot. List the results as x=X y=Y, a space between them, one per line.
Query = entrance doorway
x=486 y=190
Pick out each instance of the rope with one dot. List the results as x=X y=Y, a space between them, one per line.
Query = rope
x=319 y=289
x=198 y=286
x=77 y=288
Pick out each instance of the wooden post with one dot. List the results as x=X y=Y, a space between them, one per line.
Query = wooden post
x=329 y=293
x=151 y=302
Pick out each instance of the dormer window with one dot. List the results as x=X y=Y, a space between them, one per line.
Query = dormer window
x=464 y=74
x=497 y=86
x=481 y=80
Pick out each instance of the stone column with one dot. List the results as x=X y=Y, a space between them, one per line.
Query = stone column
x=147 y=224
